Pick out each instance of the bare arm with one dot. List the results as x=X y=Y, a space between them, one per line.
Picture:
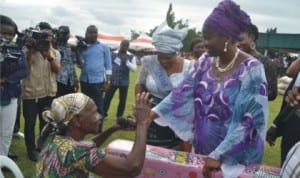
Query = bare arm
x=78 y=58
x=139 y=88
x=100 y=138
x=55 y=64
x=293 y=69
x=293 y=96
x=130 y=166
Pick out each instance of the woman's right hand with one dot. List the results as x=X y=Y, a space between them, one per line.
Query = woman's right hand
x=271 y=136
x=142 y=109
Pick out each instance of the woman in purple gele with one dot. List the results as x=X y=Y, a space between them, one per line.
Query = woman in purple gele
x=221 y=107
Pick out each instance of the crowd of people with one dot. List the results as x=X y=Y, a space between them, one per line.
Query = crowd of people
x=214 y=103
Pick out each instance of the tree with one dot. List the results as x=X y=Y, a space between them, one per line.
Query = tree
x=172 y=22
x=272 y=30
x=134 y=34
x=170 y=18
x=192 y=32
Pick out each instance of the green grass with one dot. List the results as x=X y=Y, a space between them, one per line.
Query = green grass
x=271 y=157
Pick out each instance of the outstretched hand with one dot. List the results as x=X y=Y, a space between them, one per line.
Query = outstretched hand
x=210 y=165
x=142 y=109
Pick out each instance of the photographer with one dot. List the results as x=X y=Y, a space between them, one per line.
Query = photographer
x=67 y=81
x=13 y=68
x=40 y=86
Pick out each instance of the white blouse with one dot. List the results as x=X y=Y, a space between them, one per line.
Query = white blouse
x=147 y=79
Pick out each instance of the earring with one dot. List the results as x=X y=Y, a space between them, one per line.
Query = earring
x=225 y=48
x=252 y=45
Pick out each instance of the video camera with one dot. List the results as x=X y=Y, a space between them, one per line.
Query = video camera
x=61 y=35
x=78 y=43
x=40 y=37
x=9 y=52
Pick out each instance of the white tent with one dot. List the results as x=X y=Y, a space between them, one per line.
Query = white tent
x=142 y=43
x=112 y=41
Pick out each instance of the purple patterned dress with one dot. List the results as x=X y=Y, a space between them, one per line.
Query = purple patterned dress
x=223 y=118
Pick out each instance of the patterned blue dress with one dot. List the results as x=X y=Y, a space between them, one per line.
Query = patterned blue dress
x=223 y=118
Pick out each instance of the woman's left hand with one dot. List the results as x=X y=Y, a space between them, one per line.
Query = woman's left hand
x=210 y=165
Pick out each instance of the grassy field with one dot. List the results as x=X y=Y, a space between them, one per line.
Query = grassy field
x=271 y=157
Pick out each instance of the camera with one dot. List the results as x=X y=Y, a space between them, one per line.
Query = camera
x=9 y=52
x=40 y=37
x=61 y=35
x=78 y=43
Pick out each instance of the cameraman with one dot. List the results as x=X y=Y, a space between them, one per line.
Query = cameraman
x=13 y=68
x=67 y=81
x=40 y=86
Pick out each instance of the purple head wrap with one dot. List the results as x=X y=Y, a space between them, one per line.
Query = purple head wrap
x=228 y=19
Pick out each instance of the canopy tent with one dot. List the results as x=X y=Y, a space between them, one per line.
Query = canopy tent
x=142 y=43
x=112 y=41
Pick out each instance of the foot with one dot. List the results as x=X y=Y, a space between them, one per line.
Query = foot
x=32 y=155
x=12 y=156
x=18 y=135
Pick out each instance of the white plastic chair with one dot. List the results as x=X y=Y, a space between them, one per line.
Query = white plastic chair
x=11 y=165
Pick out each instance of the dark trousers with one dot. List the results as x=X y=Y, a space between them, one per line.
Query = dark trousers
x=17 y=122
x=63 y=89
x=109 y=94
x=32 y=108
x=95 y=92
x=290 y=135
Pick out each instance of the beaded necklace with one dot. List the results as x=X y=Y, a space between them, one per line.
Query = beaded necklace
x=230 y=65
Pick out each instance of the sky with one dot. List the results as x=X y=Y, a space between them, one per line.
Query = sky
x=120 y=16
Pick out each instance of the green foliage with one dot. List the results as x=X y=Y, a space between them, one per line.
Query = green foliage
x=192 y=33
x=172 y=22
x=272 y=30
x=170 y=18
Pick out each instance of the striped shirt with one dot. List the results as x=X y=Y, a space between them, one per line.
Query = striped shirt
x=291 y=166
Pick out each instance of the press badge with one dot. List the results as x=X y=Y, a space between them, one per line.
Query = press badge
x=118 y=61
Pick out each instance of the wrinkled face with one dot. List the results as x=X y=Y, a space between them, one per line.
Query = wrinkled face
x=166 y=60
x=244 y=42
x=90 y=118
x=213 y=42
x=7 y=32
x=199 y=49
x=91 y=34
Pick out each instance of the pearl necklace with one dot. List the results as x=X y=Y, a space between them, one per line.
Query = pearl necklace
x=230 y=65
